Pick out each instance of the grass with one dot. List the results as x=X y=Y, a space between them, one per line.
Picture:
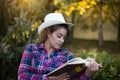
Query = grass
x=109 y=46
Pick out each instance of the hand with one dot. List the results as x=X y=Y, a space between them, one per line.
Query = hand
x=92 y=68
x=63 y=76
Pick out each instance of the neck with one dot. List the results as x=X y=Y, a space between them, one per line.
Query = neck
x=48 y=47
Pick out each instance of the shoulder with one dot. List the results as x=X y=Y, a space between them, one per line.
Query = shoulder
x=65 y=51
x=68 y=53
x=31 y=47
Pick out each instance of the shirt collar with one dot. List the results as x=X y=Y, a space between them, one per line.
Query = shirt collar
x=42 y=46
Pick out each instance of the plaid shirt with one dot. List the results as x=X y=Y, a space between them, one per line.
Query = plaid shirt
x=35 y=63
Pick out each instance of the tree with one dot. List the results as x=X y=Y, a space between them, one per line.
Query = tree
x=114 y=14
x=4 y=18
x=19 y=20
x=102 y=9
x=100 y=27
x=20 y=15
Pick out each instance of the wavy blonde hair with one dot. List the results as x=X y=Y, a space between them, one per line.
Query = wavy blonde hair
x=43 y=36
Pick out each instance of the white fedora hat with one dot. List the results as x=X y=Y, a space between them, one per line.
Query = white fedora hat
x=52 y=19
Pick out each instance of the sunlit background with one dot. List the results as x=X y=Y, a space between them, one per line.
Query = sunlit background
x=96 y=31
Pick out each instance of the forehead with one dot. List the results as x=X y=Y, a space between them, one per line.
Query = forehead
x=61 y=30
x=55 y=27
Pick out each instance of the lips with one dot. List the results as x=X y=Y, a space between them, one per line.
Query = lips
x=59 y=45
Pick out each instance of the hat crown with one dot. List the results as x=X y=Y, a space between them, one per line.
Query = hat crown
x=54 y=17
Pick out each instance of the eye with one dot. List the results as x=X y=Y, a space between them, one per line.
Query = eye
x=59 y=35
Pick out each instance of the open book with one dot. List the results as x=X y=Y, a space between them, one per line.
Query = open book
x=74 y=68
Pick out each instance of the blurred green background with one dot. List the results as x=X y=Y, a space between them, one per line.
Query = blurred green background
x=96 y=32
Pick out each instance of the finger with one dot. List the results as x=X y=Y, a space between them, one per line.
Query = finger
x=100 y=65
x=96 y=67
x=93 y=66
x=65 y=79
x=64 y=74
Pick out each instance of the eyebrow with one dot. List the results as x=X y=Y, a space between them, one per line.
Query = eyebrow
x=62 y=34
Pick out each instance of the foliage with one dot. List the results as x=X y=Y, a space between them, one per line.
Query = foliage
x=21 y=29
x=23 y=19
x=110 y=62
x=10 y=56
x=89 y=10
x=86 y=13
x=19 y=22
x=67 y=7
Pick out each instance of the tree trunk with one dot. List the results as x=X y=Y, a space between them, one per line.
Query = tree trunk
x=100 y=26
x=118 y=39
x=3 y=19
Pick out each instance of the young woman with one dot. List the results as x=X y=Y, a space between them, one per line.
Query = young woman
x=41 y=58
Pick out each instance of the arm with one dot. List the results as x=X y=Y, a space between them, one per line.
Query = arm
x=31 y=76
x=25 y=72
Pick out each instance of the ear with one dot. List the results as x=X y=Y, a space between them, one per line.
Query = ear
x=48 y=34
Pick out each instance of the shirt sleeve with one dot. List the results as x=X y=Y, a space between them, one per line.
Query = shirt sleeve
x=83 y=77
x=70 y=56
x=24 y=71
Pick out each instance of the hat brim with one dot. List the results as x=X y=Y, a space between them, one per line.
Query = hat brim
x=51 y=23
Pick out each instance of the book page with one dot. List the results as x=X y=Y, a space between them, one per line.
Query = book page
x=76 y=61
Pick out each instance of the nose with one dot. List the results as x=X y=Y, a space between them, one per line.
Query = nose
x=62 y=40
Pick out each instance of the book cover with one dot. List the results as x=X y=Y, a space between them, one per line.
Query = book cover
x=74 y=68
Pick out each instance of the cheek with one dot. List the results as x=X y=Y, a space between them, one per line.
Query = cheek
x=55 y=38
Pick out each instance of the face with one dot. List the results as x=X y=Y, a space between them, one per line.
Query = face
x=56 y=39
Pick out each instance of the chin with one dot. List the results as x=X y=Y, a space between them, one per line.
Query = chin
x=57 y=47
